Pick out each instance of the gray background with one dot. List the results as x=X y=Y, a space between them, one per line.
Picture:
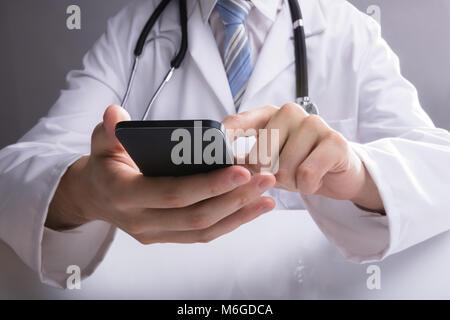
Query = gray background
x=37 y=51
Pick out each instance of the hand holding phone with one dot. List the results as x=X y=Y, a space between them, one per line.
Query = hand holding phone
x=108 y=186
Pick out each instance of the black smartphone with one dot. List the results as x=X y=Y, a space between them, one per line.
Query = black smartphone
x=175 y=147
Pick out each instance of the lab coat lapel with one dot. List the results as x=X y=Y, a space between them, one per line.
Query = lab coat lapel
x=205 y=53
x=278 y=51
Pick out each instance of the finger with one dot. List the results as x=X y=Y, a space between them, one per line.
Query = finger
x=253 y=119
x=324 y=158
x=271 y=140
x=299 y=145
x=207 y=213
x=104 y=140
x=139 y=192
x=227 y=225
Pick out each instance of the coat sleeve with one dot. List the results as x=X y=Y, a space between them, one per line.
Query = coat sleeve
x=406 y=155
x=30 y=170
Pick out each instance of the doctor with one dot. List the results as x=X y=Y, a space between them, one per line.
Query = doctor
x=372 y=170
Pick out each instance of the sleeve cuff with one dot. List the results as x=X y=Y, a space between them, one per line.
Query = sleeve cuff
x=361 y=236
x=84 y=247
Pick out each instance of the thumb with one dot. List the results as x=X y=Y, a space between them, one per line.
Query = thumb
x=104 y=140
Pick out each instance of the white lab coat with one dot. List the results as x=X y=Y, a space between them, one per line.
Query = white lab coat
x=355 y=80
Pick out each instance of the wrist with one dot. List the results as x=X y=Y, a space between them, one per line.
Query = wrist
x=368 y=198
x=65 y=211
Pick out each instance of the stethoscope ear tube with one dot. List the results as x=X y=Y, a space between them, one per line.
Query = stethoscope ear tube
x=176 y=62
x=302 y=89
x=130 y=82
x=149 y=26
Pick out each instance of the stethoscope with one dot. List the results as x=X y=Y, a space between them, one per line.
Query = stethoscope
x=302 y=90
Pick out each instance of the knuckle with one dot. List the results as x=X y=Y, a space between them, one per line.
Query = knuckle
x=198 y=221
x=244 y=199
x=132 y=226
x=205 y=237
x=305 y=179
x=305 y=173
x=172 y=197
x=284 y=178
x=271 y=108
x=141 y=240
x=290 y=108
x=312 y=121
x=336 y=138
x=235 y=119
x=146 y=240
x=215 y=187
x=174 y=201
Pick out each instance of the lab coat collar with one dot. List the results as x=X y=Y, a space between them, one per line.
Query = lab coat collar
x=276 y=55
x=206 y=55
x=267 y=8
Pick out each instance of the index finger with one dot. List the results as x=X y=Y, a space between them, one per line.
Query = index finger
x=178 y=192
x=253 y=119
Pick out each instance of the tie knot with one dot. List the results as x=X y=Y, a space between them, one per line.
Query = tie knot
x=233 y=11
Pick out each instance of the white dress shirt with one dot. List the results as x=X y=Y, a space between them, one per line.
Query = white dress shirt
x=258 y=23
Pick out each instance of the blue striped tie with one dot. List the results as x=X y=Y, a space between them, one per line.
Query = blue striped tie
x=237 y=59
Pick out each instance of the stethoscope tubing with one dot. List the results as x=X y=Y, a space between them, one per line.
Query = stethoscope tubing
x=302 y=90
